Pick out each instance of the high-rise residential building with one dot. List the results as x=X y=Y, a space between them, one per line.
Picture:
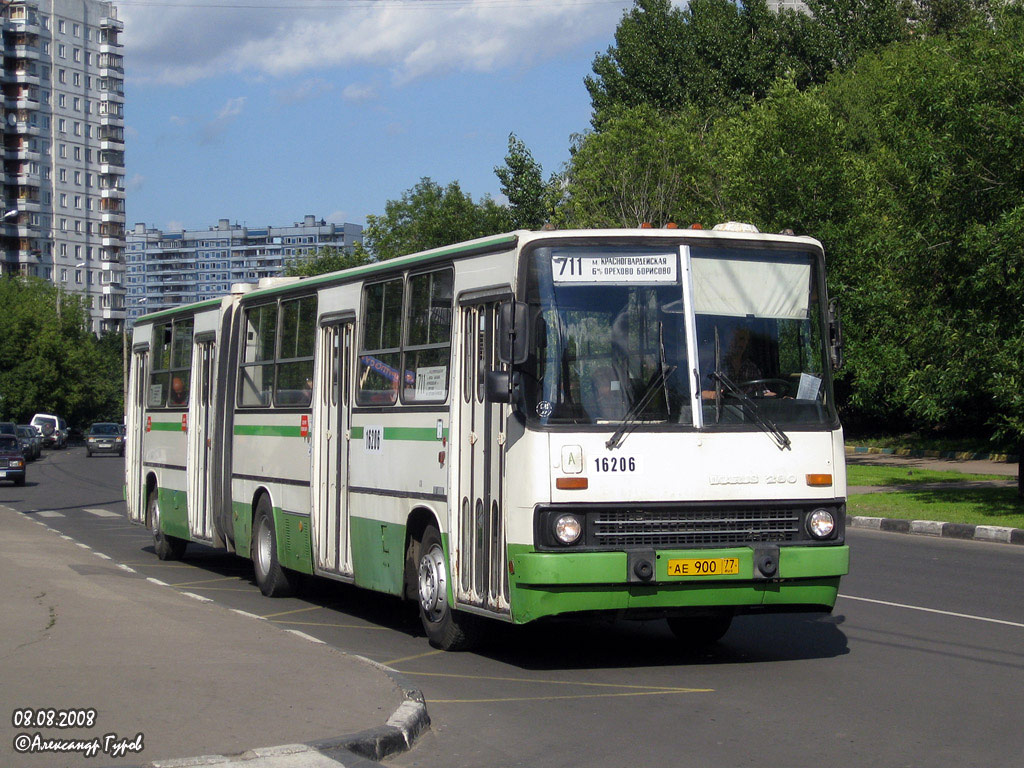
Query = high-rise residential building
x=63 y=143
x=167 y=269
x=787 y=5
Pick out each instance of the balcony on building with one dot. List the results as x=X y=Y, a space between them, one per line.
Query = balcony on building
x=111 y=137
x=111 y=63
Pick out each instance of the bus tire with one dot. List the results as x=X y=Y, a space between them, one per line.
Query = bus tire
x=271 y=577
x=446 y=629
x=696 y=632
x=166 y=547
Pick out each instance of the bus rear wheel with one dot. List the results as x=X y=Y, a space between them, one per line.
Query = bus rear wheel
x=446 y=629
x=696 y=632
x=166 y=547
x=271 y=577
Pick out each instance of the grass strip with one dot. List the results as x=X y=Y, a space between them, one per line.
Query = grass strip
x=875 y=474
x=973 y=506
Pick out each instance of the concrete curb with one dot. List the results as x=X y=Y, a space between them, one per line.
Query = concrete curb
x=1003 y=458
x=988 y=533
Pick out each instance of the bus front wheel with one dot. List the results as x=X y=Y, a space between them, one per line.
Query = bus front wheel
x=446 y=629
x=271 y=577
x=166 y=547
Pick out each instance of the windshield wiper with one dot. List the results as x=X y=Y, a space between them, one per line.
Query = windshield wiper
x=781 y=438
x=630 y=419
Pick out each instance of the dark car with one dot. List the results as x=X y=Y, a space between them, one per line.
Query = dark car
x=12 y=460
x=31 y=441
x=105 y=437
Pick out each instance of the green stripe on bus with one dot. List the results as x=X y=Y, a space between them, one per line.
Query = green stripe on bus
x=267 y=430
x=165 y=426
x=418 y=434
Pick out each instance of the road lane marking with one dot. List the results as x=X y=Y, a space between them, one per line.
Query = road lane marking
x=580 y=683
x=49 y=513
x=633 y=690
x=410 y=658
x=102 y=513
x=331 y=624
x=567 y=698
x=297 y=610
x=934 y=610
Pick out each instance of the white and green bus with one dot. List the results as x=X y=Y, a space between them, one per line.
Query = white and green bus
x=637 y=423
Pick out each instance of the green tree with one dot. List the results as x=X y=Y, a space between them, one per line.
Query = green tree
x=431 y=216
x=522 y=182
x=328 y=259
x=643 y=166
x=49 y=361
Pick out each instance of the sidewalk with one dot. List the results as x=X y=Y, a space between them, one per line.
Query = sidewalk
x=78 y=632
x=967 y=463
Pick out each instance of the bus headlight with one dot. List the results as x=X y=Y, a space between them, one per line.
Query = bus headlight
x=821 y=523
x=568 y=529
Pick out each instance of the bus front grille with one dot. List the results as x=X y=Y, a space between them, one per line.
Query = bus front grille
x=663 y=528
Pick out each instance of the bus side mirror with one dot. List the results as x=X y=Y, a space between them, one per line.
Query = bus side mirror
x=835 y=335
x=513 y=348
x=499 y=387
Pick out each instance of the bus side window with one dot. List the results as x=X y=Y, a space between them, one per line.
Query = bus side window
x=256 y=375
x=427 y=349
x=379 y=356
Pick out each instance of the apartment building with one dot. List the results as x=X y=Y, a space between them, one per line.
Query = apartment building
x=166 y=269
x=787 y=5
x=63 y=145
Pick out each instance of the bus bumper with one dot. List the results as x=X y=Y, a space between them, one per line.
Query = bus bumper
x=551 y=583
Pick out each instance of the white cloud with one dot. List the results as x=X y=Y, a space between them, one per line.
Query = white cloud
x=356 y=92
x=225 y=116
x=182 y=45
x=308 y=90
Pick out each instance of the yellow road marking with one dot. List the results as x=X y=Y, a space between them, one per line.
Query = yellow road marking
x=297 y=610
x=205 y=581
x=655 y=688
x=328 y=624
x=578 y=696
x=410 y=658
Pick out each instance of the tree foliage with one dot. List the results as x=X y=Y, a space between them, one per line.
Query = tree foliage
x=522 y=182
x=50 y=362
x=893 y=133
x=328 y=259
x=431 y=216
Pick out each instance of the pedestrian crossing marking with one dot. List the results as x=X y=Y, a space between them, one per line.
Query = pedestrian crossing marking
x=49 y=513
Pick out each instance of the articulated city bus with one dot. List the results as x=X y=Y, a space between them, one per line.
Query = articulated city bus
x=637 y=423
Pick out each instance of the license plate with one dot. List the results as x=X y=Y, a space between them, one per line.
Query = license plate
x=705 y=566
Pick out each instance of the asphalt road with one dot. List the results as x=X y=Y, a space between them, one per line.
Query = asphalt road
x=921 y=664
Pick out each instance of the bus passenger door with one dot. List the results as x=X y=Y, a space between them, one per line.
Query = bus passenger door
x=135 y=435
x=331 y=411
x=479 y=535
x=200 y=433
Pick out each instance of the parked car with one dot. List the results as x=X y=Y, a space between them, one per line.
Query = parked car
x=31 y=440
x=12 y=461
x=8 y=428
x=104 y=437
x=54 y=429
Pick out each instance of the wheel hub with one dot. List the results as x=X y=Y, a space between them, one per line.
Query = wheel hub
x=433 y=582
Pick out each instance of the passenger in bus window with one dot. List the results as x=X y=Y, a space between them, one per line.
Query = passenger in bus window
x=178 y=394
x=609 y=398
x=736 y=364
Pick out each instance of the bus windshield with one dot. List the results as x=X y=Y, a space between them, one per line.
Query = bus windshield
x=609 y=332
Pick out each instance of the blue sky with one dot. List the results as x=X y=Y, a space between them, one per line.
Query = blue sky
x=262 y=111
